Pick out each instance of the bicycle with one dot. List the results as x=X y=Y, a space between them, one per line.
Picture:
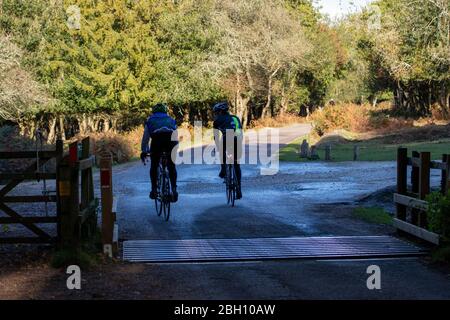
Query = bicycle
x=163 y=189
x=231 y=183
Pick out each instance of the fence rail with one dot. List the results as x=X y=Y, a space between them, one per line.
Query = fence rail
x=413 y=201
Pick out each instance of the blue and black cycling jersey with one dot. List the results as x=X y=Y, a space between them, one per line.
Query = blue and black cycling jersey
x=158 y=124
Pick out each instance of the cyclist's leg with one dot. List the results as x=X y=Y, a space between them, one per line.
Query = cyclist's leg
x=223 y=158
x=171 y=167
x=154 y=157
x=172 y=170
x=237 y=166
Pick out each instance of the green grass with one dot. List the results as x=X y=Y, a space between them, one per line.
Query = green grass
x=369 y=151
x=373 y=215
x=66 y=257
x=292 y=151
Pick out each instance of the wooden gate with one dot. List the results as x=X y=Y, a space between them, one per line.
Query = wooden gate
x=75 y=202
x=32 y=172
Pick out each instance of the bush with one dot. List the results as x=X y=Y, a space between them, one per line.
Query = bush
x=439 y=214
x=123 y=146
x=350 y=117
x=357 y=118
x=277 y=122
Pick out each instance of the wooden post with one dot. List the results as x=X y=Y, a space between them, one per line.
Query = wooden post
x=415 y=187
x=87 y=190
x=107 y=203
x=59 y=157
x=424 y=183
x=73 y=153
x=445 y=180
x=68 y=204
x=355 y=153
x=402 y=176
x=328 y=152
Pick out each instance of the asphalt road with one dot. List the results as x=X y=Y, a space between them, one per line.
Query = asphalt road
x=308 y=199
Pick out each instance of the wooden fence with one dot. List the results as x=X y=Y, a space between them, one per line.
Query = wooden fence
x=412 y=200
x=76 y=204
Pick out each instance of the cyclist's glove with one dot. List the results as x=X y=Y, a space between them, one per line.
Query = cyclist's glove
x=143 y=156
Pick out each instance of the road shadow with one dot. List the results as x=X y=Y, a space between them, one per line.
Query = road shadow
x=239 y=222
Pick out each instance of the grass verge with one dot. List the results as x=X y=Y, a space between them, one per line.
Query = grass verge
x=87 y=256
x=369 y=151
x=373 y=215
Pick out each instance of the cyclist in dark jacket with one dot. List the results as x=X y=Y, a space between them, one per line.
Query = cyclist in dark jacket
x=160 y=127
x=224 y=121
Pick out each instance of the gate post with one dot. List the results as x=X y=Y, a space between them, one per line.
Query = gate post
x=415 y=171
x=402 y=176
x=107 y=204
x=424 y=183
x=68 y=204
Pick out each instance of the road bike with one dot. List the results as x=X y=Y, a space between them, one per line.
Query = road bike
x=231 y=182
x=163 y=189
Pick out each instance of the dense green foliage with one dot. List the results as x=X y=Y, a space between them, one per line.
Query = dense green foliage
x=102 y=64
x=439 y=214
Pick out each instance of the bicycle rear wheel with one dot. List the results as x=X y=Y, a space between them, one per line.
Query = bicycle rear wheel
x=166 y=197
x=158 y=200
x=233 y=185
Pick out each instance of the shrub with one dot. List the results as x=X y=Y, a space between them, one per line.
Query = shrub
x=439 y=214
x=123 y=146
x=357 y=118
x=350 y=117
x=276 y=122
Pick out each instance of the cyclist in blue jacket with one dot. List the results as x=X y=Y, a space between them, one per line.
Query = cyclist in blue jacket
x=224 y=121
x=160 y=127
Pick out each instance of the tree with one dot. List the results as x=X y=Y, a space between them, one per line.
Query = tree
x=20 y=95
x=259 y=41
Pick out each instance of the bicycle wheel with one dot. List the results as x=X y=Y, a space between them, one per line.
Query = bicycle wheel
x=158 y=200
x=228 y=184
x=166 y=196
x=233 y=185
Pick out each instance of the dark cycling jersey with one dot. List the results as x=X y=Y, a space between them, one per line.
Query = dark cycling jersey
x=227 y=121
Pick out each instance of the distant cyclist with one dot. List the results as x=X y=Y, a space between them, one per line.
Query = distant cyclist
x=224 y=121
x=159 y=127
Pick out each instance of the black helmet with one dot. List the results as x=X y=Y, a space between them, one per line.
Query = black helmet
x=221 y=106
x=160 y=107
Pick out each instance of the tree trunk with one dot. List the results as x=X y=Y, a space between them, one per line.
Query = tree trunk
x=52 y=131
x=62 y=130
x=268 y=107
x=82 y=124
x=113 y=127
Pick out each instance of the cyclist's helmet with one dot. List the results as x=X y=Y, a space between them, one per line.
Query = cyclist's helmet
x=221 y=106
x=160 y=107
